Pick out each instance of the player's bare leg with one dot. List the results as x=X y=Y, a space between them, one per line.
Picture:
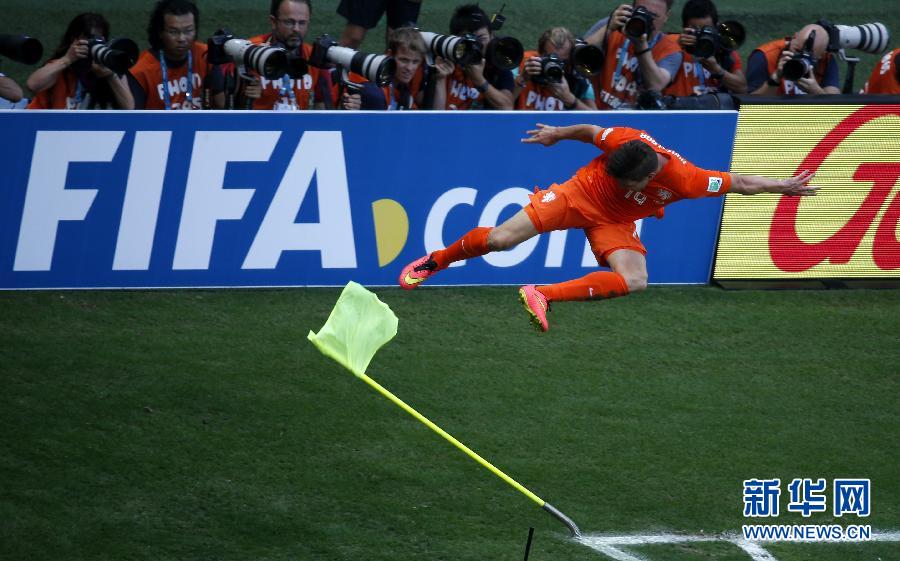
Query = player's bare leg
x=476 y=242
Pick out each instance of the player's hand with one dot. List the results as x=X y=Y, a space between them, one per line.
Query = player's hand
x=543 y=134
x=798 y=186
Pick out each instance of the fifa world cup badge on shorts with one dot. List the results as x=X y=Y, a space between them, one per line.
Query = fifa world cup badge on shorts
x=715 y=183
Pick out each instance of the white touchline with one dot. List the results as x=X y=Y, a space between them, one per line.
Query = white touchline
x=610 y=545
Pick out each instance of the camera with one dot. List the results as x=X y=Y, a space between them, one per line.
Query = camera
x=802 y=63
x=639 y=23
x=21 y=48
x=375 y=68
x=269 y=62
x=726 y=36
x=652 y=100
x=462 y=50
x=871 y=38
x=552 y=70
x=587 y=60
x=504 y=53
x=116 y=54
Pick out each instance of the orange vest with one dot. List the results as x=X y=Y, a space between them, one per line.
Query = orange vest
x=884 y=77
x=461 y=93
x=612 y=95
x=536 y=97
x=148 y=74
x=61 y=95
x=304 y=87
x=687 y=80
x=772 y=51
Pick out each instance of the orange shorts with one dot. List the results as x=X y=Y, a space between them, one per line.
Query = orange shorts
x=562 y=207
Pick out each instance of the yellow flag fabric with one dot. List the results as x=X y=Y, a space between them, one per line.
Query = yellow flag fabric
x=358 y=326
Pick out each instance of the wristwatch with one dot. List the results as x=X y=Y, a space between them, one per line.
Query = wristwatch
x=483 y=87
x=771 y=82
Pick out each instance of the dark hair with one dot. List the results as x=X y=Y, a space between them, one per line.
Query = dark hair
x=468 y=18
x=699 y=9
x=81 y=26
x=632 y=161
x=169 y=7
x=276 y=4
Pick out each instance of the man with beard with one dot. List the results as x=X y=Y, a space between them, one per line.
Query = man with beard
x=290 y=23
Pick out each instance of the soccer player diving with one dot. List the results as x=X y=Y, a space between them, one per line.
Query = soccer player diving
x=634 y=177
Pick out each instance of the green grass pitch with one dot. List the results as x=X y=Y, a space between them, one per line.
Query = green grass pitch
x=202 y=425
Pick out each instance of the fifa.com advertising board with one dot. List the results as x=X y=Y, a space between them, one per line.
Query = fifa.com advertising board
x=174 y=199
x=850 y=230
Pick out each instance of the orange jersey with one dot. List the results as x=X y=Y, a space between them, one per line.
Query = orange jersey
x=304 y=87
x=678 y=180
x=617 y=84
x=693 y=79
x=148 y=74
x=885 y=77
x=772 y=51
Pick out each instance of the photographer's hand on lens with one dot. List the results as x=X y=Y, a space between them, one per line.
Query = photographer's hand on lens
x=351 y=102
x=562 y=92
x=77 y=50
x=251 y=88
x=533 y=67
x=475 y=73
x=101 y=71
x=810 y=85
x=619 y=16
x=687 y=38
x=443 y=67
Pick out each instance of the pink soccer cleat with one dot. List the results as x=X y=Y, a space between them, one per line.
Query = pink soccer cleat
x=416 y=272
x=536 y=305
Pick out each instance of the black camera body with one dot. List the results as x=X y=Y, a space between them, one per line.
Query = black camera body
x=116 y=54
x=552 y=70
x=725 y=36
x=639 y=23
x=215 y=47
x=709 y=42
x=802 y=63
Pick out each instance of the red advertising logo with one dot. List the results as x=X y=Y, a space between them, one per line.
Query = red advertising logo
x=793 y=255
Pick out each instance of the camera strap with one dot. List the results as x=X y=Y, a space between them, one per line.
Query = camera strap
x=189 y=92
x=700 y=72
x=79 y=94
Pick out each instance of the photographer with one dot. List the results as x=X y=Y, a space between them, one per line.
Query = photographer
x=408 y=49
x=173 y=72
x=537 y=90
x=766 y=65
x=290 y=22
x=648 y=61
x=474 y=86
x=700 y=75
x=885 y=77
x=71 y=80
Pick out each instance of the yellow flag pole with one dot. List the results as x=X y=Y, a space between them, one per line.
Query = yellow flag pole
x=570 y=524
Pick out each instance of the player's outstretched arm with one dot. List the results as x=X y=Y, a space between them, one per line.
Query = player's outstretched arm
x=549 y=135
x=797 y=186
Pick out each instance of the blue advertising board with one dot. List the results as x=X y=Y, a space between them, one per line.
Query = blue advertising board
x=184 y=199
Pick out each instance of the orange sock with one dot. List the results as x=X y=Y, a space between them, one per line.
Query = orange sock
x=593 y=286
x=473 y=244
